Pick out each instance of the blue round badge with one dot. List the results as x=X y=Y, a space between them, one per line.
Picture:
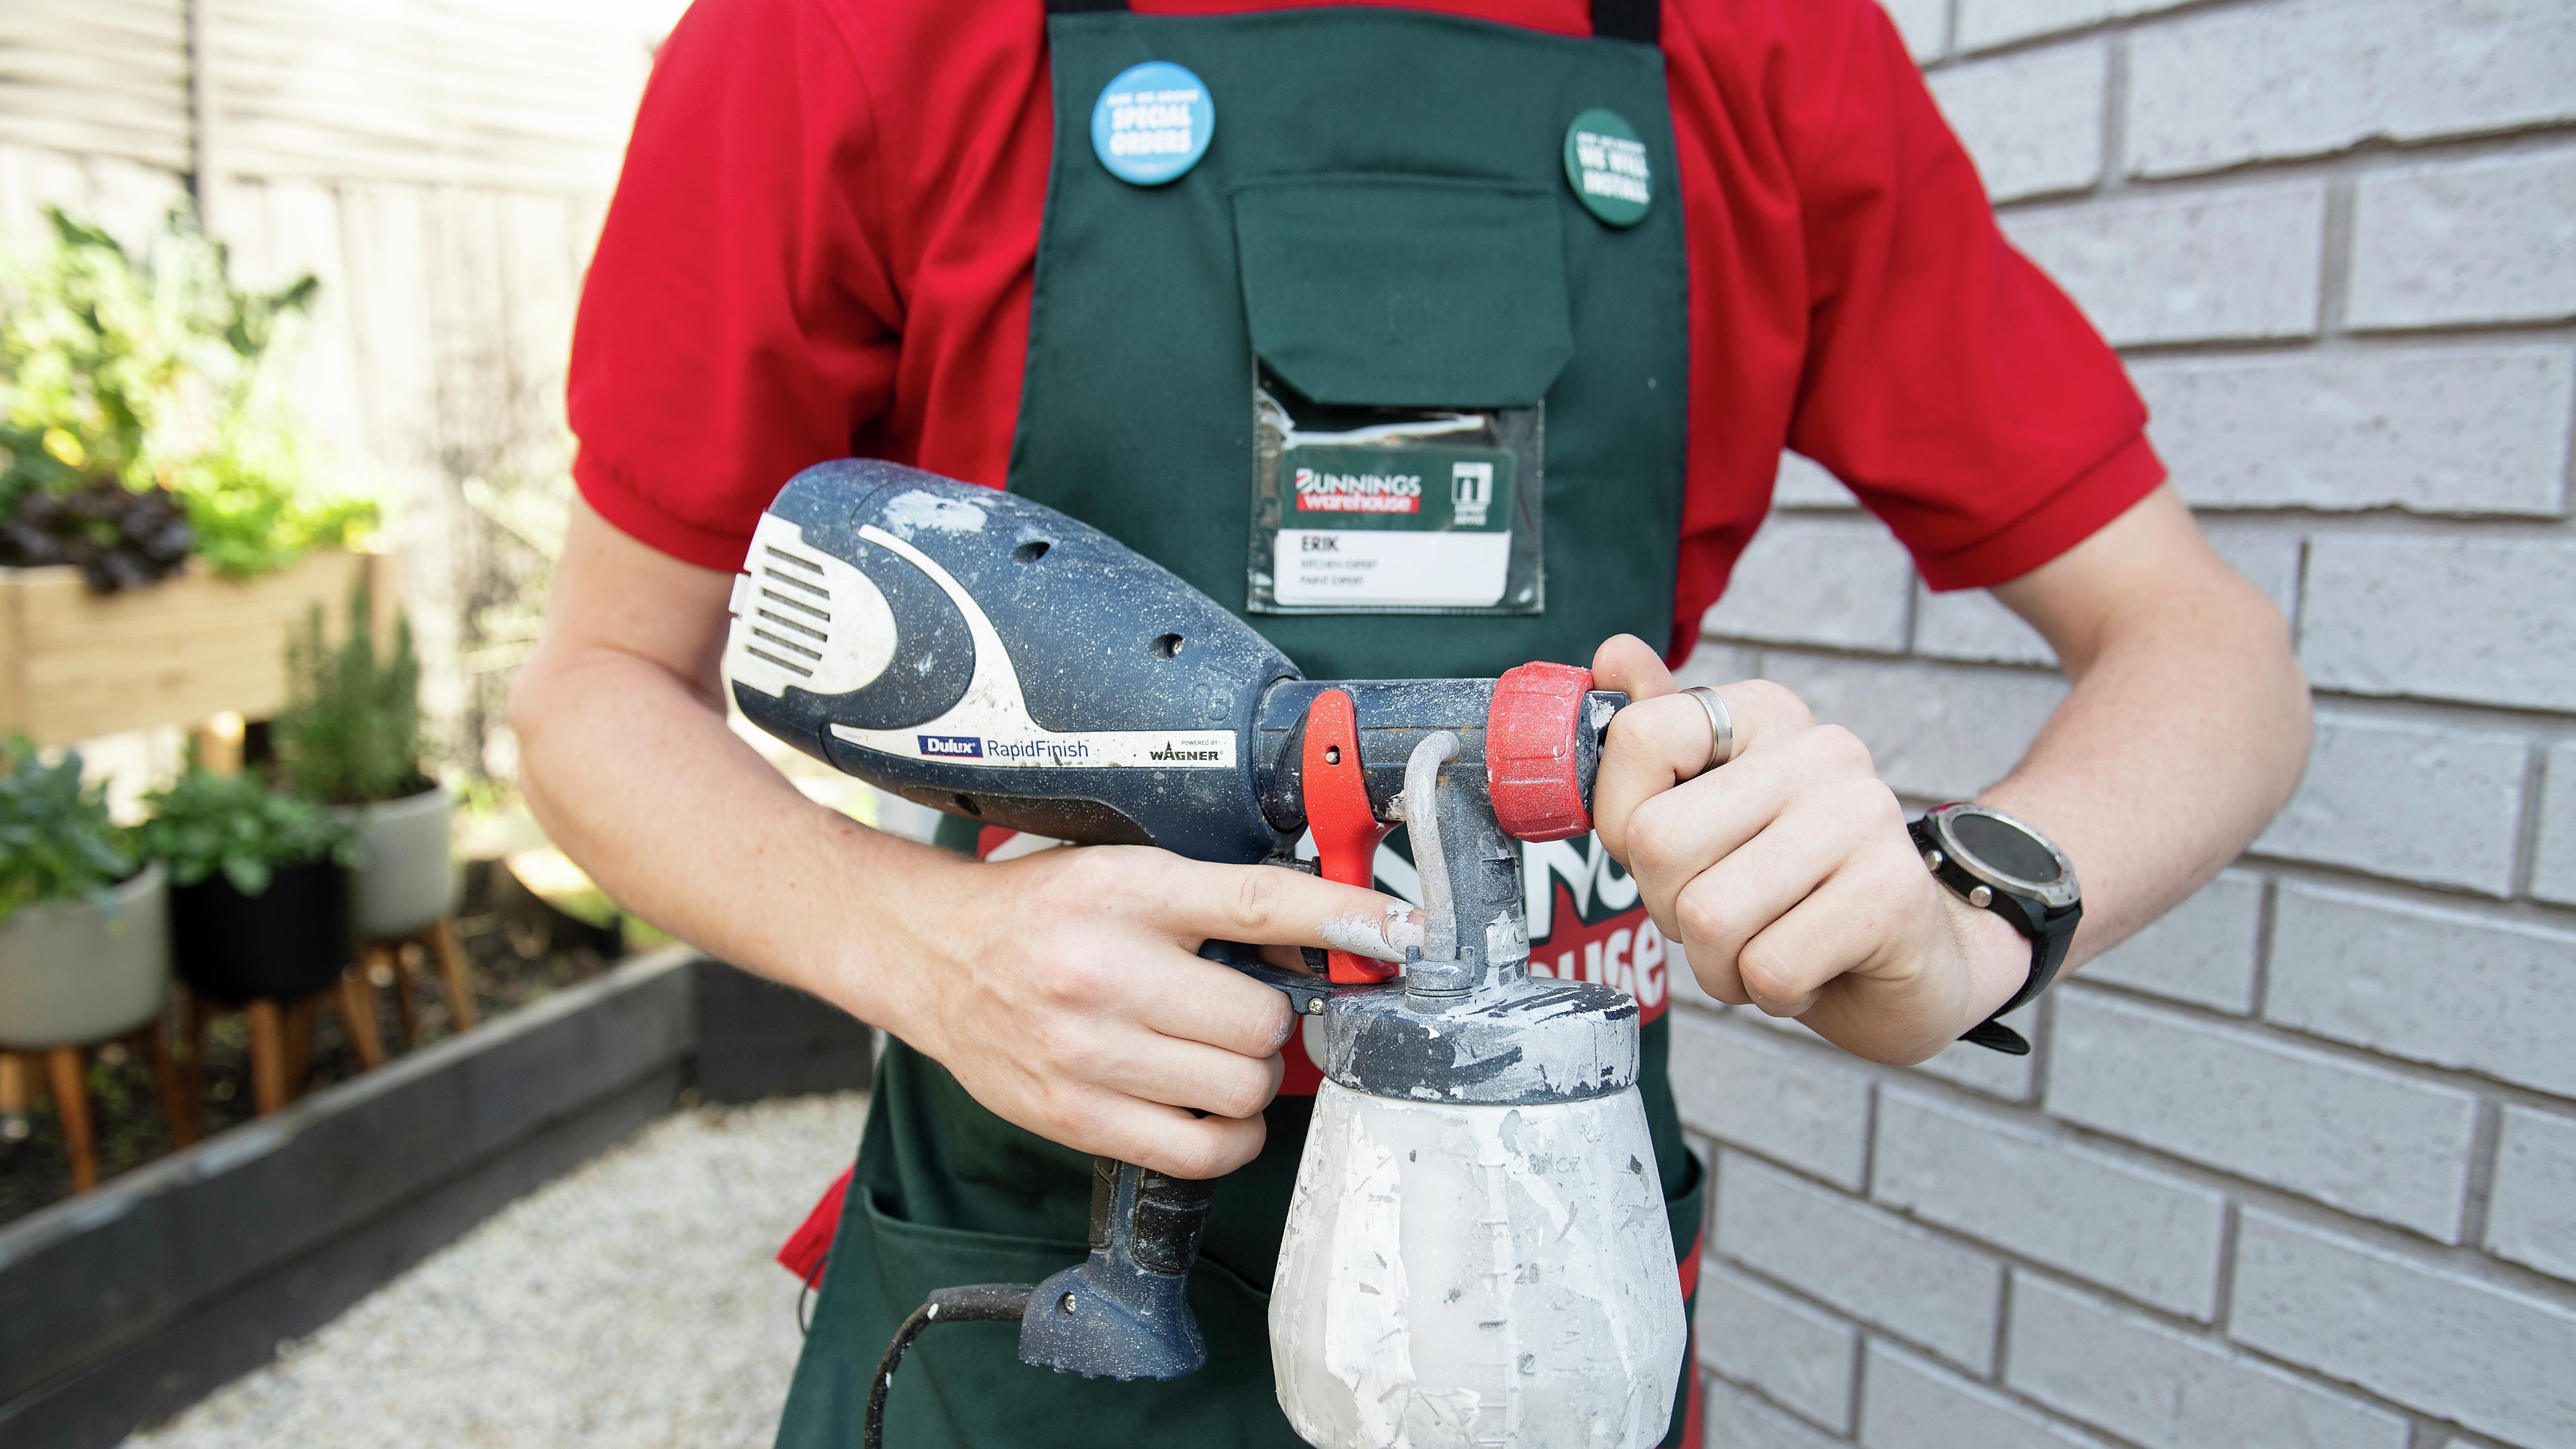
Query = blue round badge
x=1152 y=123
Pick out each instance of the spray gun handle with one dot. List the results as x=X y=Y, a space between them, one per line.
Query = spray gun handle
x=1149 y=1218
x=1123 y=1312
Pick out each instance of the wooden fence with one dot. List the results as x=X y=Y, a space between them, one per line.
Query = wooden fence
x=442 y=167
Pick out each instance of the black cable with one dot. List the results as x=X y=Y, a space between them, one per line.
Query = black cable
x=967 y=1303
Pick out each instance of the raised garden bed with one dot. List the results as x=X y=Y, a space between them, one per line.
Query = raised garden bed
x=519 y=950
x=124 y=1305
x=76 y=664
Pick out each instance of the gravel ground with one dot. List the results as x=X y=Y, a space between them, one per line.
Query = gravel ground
x=632 y=1303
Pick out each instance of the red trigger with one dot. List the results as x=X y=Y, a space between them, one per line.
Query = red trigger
x=1347 y=832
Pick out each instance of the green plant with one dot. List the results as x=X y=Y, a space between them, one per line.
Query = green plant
x=350 y=732
x=155 y=370
x=240 y=825
x=56 y=842
x=118 y=537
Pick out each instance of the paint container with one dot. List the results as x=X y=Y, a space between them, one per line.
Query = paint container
x=1470 y=1275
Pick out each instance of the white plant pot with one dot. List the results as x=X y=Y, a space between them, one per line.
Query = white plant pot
x=74 y=972
x=409 y=877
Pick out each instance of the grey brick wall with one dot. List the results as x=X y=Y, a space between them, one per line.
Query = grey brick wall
x=2296 y=1166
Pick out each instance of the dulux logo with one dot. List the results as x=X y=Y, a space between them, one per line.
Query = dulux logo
x=969 y=747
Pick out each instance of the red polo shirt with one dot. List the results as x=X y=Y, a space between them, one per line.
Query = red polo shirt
x=823 y=242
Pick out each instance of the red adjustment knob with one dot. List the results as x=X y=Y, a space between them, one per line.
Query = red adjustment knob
x=1531 y=764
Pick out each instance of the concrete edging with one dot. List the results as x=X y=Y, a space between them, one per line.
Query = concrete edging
x=123 y=1306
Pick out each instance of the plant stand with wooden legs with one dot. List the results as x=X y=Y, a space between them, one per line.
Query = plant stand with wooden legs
x=281 y=1037
x=436 y=941
x=65 y=1075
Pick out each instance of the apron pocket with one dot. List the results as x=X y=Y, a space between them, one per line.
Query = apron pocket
x=1405 y=291
x=963 y=1383
x=1405 y=332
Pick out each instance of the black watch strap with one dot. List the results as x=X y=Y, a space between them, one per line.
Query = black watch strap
x=2049 y=931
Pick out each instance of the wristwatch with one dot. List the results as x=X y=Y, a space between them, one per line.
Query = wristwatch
x=1996 y=863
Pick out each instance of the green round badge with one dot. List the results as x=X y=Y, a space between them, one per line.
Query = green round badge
x=1606 y=165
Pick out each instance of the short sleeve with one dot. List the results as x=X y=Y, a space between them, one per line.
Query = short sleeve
x=1949 y=383
x=736 y=322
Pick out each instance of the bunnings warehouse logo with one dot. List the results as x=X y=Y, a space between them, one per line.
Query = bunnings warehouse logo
x=1322 y=492
x=953 y=747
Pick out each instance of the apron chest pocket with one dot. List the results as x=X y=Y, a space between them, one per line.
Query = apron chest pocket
x=1405 y=332
x=1409 y=292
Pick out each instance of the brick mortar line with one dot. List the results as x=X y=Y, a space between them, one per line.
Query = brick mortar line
x=2110 y=25
x=2268 y=520
x=2467 y=1259
x=2484 y=1087
x=2567 y=473
x=2212 y=1334
x=2497 y=910
x=1803 y=1296
x=2356 y=160
x=2477 y=1199
x=2534 y=720
x=2267 y=909
x=2551 y=726
x=2358 y=343
x=2339 y=240
x=2115 y=116
x=2526 y=840
x=1802 y=1421
x=1858 y=1384
x=2222 y=1300
x=2425 y=525
x=2372 y=153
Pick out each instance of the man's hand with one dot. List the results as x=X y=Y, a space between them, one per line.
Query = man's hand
x=1072 y=1001
x=1787 y=873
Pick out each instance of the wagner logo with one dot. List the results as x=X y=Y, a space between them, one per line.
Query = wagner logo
x=1172 y=754
x=952 y=747
x=1321 y=492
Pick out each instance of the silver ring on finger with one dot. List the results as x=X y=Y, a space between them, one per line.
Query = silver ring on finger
x=1721 y=726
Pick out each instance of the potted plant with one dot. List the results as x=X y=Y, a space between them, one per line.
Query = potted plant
x=350 y=736
x=84 y=933
x=259 y=885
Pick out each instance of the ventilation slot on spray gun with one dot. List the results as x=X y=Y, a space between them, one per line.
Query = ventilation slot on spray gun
x=793 y=614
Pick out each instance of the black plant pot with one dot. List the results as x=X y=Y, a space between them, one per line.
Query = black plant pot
x=289 y=941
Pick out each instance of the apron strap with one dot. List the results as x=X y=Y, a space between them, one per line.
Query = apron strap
x=1638 y=20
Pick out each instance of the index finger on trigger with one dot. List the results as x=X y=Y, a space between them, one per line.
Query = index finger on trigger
x=1204 y=1002
x=1269 y=905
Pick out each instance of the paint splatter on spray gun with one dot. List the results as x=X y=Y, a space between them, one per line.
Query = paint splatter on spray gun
x=1477 y=1253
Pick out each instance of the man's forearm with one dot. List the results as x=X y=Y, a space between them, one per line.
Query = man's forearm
x=2185 y=731
x=638 y=778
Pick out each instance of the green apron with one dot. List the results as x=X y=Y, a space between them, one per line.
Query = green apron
x=1146 y=328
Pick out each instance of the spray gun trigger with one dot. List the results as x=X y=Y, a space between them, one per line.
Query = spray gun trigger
x=1307 y=995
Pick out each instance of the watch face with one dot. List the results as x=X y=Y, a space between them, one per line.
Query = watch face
x=2005 y=853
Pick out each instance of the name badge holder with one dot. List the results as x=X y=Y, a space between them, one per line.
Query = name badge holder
x=1394 y=510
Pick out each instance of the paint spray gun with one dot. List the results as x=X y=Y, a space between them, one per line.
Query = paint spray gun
x=1477 y=1251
